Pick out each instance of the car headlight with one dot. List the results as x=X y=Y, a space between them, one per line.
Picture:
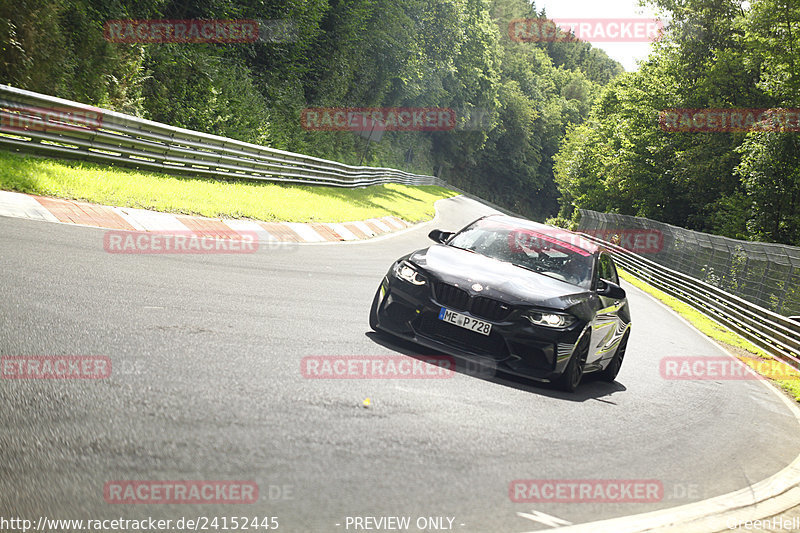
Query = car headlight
x=406 y=272
x=550 y=320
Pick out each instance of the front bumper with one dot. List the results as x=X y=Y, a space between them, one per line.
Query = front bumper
x=514 y=345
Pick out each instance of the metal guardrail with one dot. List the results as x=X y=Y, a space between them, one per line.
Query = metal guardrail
x=776 y=334
x=39 y=124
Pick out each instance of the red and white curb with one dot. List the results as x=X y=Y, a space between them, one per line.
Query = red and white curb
x=14 y=204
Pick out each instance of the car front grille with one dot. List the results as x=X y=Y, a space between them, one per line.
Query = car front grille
x=489 y=309
x=479 y=306
x=451 y=296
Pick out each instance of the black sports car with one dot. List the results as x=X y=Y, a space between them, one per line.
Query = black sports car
x=531 y=299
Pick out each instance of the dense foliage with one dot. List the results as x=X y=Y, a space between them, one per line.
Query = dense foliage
x=559 y=122
x=716 y=54
x=355 y=53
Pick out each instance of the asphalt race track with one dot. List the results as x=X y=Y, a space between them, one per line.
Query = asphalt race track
x=206 y=385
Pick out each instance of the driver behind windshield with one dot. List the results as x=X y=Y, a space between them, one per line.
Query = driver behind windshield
x=577 y=270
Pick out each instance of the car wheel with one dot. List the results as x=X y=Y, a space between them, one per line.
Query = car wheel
x=373 y=312
x=572 y=375
x=611 y=371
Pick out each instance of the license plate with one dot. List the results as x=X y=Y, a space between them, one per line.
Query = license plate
x=464 y=321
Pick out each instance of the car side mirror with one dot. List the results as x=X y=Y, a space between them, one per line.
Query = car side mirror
x=610 y=289
x=440 y=236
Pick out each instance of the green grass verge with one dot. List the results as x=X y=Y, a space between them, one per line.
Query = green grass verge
x=744 y=350
x=197 y=196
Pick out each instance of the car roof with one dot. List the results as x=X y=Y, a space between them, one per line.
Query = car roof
x=563 y=235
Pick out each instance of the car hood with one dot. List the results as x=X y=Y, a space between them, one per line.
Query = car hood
x=499 y=280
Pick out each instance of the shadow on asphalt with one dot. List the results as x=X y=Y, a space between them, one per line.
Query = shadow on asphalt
x=590 y=388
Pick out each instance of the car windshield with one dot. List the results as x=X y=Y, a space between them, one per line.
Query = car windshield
x=546 y=252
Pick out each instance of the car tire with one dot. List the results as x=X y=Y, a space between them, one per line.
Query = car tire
x=571 y=377
x=373 y=311
x=611 y=371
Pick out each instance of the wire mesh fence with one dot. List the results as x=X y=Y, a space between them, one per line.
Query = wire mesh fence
x=765 y=274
